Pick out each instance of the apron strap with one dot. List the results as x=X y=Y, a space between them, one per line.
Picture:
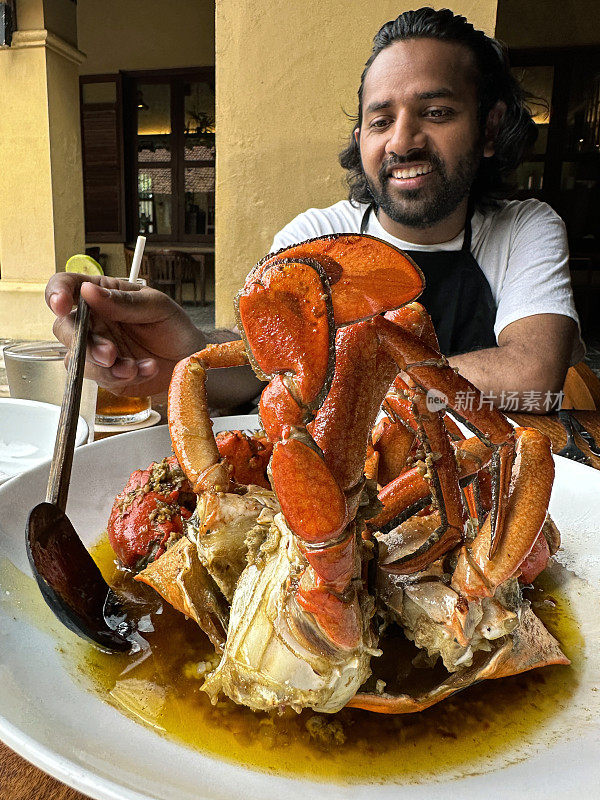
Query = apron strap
x=466 y=245
x=365 y=218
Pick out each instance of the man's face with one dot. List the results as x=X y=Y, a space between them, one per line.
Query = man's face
x=419 y=135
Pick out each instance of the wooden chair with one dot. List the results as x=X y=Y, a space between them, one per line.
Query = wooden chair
x=193 y=270
x=581 y=388
x=164 y=272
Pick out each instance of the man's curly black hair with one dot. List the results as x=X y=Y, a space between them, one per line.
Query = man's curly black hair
x=517 y=131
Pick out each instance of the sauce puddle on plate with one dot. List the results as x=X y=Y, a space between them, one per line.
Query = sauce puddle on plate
x=483 y=728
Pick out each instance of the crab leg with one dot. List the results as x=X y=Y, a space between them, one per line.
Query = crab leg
x=410 y=403
x=410 y=491
x=477 y=574
x=189 y=421
x=398 y=408
x=392 y=442
x=394 y=437
x=442 y=475
x=442 y=471
x=430 y=370
x=414 y=319
x=196 y=574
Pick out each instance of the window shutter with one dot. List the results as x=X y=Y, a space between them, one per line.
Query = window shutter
x=103 y=175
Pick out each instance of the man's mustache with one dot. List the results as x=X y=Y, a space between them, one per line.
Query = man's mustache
x=415 y=156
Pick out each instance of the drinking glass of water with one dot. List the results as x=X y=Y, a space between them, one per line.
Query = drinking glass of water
x=36 y=371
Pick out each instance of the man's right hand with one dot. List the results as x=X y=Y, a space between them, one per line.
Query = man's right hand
x=137 y=335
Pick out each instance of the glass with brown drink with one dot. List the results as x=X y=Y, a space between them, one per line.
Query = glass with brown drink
x=112 y=409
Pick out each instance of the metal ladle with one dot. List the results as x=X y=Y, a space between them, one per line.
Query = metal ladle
x=68 y=577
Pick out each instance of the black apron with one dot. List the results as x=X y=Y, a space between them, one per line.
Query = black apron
x=457 y=295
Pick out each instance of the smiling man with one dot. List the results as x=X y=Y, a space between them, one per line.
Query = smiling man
x=441 y=123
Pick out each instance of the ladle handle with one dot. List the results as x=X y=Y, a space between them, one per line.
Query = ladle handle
x=62 y=460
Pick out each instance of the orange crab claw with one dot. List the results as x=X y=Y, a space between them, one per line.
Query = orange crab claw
x=287 y=321
x=477 y=574
x=367 y=276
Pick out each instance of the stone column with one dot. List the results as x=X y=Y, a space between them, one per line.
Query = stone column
x=41 y=189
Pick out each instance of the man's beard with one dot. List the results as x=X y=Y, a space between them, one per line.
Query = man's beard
x=424 y=207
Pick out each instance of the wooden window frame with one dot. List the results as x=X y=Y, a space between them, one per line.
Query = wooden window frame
x=562 y=60
x=176 y=79
x=119 y=234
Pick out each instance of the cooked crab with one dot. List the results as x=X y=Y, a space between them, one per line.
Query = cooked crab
x=297 y=584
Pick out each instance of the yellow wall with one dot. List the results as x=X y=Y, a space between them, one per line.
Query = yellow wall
x=548 y=23
x=26 y=218
x=57 y=16
x=60 y=19
x=145 y=34
x=286 y=71
x=31 y=15
x=65 y=145
x=41 y=208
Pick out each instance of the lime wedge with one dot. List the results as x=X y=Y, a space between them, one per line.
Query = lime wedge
x=84 y=265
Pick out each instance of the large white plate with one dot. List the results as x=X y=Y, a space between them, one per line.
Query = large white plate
x=52 y=719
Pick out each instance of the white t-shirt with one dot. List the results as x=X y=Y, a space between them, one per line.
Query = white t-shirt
x=521 y=247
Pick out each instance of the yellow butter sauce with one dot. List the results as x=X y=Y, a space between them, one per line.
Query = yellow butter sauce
x=483 y=728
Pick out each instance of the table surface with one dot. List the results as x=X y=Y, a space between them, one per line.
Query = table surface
x=19 y=780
